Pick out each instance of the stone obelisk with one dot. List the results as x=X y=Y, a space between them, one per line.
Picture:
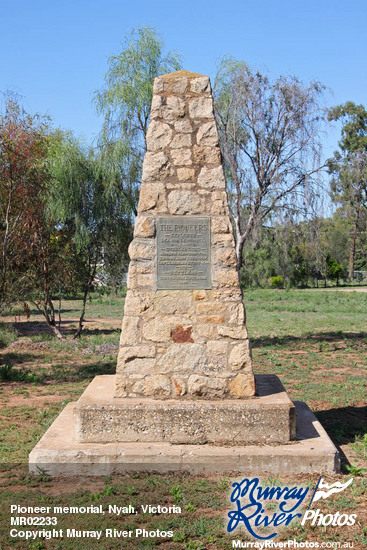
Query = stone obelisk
x=183 y=331
x=183 y=397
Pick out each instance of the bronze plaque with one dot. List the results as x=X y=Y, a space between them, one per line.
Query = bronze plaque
x=183 y=253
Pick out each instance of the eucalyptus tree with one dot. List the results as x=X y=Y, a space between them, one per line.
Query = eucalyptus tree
x=22 y=176
x=349 y=168
x=125 y=102
x=269 y=136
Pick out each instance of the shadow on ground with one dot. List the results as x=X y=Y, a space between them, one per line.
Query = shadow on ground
x=311 y=338
x=37 y=327
x=344 y=424
x=12 y=358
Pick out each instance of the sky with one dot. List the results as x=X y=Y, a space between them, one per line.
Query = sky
x=54 y=54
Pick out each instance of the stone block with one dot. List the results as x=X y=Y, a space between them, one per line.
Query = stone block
x=179 y=85
x=138 y=301
x=144 y=227
x=217 y=347
x=172 y=302
x=243 y=385
x=139 y=281
x=201 y=107
x=186 y=174
x=207 y=386
x=182 y=358
x=156 y=330
x=199 y=294
x=213 y=178
x=142 y=249
x=159 y=135
x=268 y=419
x=181 y=157
x=130 y=331
x=156 y=167
x=240 y=356
x=179 y=387
x=206 y=155
x=225 y=257
x=226 y=277
x=207 y=134
x=221 y=224
x=169 y=108
x=181 y=140
x=152 y=197
x=59 y=454
x=128 y=353
x=158 y=385
x=132 y=368
x=236 y=332
x=184 y=202
x=200 y=84
x=183 y=126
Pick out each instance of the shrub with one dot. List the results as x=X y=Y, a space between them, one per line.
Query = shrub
x=276 y=282
x=7 y=335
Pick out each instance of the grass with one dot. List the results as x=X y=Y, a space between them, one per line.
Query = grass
x=316 y=341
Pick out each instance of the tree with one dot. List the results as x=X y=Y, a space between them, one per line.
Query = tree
x=125 y=104
x=268 y=133
x=23 y=177
x=35 y=253
x=334 y=270
x=82 y=202
x=349 y=167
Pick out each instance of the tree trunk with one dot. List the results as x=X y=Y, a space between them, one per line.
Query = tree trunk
x=59 y=312
x=4 y=249
x=81 y=318
x=353 y=243
x=87 y=289
x=50 y=321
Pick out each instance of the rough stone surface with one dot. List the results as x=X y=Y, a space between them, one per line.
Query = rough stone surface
x=99 y=417
x=242 y=385
x=195 y=340
x=58 y=453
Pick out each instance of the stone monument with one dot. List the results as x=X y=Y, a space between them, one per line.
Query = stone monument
x=184 y=393
x=183 y=331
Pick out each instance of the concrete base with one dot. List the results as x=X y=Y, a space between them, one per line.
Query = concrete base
x=270 y=418
x=58 y=453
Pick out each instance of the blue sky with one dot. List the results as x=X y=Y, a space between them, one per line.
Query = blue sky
x=55 y=53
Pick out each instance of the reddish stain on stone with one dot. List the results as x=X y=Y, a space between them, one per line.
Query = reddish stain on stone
x=181 y=335
x=178 y=388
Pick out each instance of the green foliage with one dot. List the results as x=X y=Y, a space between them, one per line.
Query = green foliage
x=276 y=282
x=354 y=470
x=348 y=168
x=177 y=494
x=9 y=374
x=7 y=335
x=334 y=269
x=354 y=130
x=125 y=104
x=99 y=217
x=23 y=179
x=302 y=253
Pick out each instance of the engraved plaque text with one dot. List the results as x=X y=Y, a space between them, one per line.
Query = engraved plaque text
x=183 y=253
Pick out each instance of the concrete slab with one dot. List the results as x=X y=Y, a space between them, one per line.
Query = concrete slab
x=99 y=417
x=59 y=454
